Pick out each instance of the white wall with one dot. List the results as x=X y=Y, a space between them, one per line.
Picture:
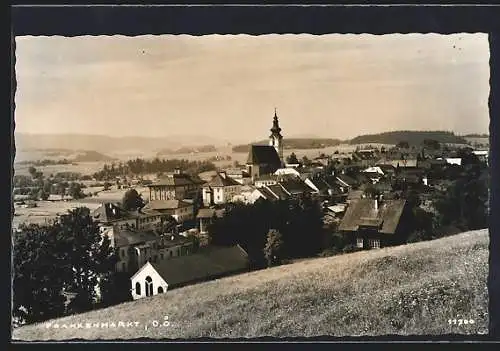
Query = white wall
x=147 y=271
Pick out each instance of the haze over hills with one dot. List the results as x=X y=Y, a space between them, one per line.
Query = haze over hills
x=103 y=143
x=179 y=144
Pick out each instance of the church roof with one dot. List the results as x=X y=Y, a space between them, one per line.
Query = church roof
x=263 y=154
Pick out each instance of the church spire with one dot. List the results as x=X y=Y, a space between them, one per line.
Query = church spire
x=276 y=127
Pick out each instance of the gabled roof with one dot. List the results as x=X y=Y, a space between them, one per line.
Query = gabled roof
x=181 y=179
x=159 y=205
x=346 y=179
x=267 y=194
x=220 y=181
x=108 y=212
x=295 y=186
x=278 y=190
x=263 y=154
x=362 y=212
x=128 y=237
x=208 y=262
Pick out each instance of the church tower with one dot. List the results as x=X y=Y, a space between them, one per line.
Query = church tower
x=276 y=139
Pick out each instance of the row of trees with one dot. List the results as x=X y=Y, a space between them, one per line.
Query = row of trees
x=68 y=255
x=37 y=186
x=140 y=166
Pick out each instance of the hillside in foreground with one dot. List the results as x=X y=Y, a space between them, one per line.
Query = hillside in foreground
x=409 y=289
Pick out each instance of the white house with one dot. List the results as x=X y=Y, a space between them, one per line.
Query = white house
x=147 y=282
x=287 y=171
x=245 y=194
x=454 y=161
x=267 y=179
x=209 y=263
x=220 y=190
x=374 y=169
x=181 y=210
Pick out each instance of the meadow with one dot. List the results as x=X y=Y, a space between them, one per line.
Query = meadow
x=413 y=289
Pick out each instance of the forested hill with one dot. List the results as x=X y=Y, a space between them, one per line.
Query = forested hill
x=295 y=143
x=412 y=137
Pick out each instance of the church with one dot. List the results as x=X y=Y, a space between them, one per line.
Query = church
x=266 y=159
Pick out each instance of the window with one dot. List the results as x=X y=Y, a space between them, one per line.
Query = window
x=137 y=288
x=149 y=286
x=124 y=266
x=160 y=290
x=359 y=242
x=171 y=253
x=374 y=243
x=161 y=256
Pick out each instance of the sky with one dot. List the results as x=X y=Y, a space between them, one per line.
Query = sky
x=227 y=86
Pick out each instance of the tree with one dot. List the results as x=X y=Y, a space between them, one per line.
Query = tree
x=403 y=145
x=86 y=257
x=132 y=200
x=305 y=161
x=273 y=250
x=292 y=159
x=431 y=144
x=75 y=191
x=32 y=170
x=38 y=275
x=43 y=195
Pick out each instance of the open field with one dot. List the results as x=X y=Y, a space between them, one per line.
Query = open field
x=407 y=290
x=88 y=168
x=474 y=140
x=47 y=210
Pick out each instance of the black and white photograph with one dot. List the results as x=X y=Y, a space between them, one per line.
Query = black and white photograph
x=238 y=186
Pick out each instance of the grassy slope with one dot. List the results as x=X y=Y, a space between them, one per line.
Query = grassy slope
x=410 y=289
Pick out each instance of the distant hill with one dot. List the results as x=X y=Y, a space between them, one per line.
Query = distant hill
x=294 y=143
x=476 y=136
x=92 y=156
x=406 y=290
x=412 y=137
x=187 y=150
x=107 y=144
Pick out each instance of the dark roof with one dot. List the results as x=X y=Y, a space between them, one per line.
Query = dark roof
x=269 y=195
x=260 y=154
x=362 y=212
x=295 y=186
x=278 y=190
x=266 y=177
x=219 y=181
x=209 y=213
x=346 y=179
x=354 y=194
x=128 y=237
x=209 y=262
x=108 y=212
x=181 y=179
x=159 y=205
